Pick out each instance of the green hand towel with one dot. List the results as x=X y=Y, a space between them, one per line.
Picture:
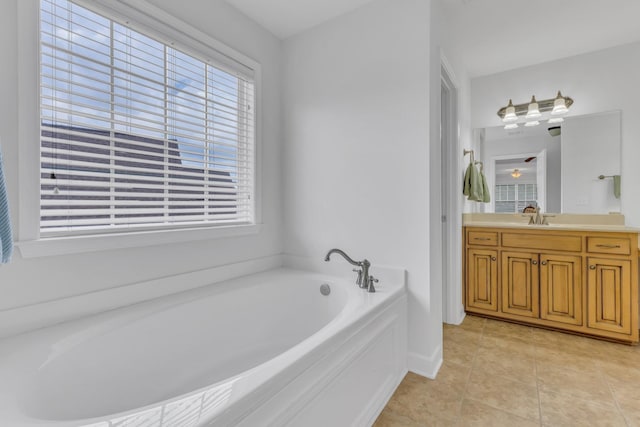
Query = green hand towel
x=486 y=196
x=472 y=184
x=616 y=186
x=466 y=186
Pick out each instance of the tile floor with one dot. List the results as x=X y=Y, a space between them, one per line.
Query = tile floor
x=501 y=374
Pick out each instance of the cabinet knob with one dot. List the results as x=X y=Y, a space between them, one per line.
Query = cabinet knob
x=544 y=263
x=592 y=267
x=493 y=258
x=534 y=262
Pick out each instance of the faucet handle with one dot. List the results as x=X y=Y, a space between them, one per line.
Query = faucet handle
x=359 y=278
x=544 y=218
x=372 y=288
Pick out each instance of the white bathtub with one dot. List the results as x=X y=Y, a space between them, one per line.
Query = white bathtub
x=265 y=349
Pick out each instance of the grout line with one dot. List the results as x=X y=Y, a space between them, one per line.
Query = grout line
x=466 y=385
x=535 y=365
x=613 y=395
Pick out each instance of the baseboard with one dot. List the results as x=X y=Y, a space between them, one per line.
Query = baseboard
x=18 y=320
x=425 y=366
x=457 y=320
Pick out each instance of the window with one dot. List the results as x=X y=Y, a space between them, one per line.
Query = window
x=136 y=132
x=513 y=198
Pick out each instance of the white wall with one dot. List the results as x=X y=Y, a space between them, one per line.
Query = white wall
x=590 y=147
x=601 y=81
x=357 y=156
x=28 y=281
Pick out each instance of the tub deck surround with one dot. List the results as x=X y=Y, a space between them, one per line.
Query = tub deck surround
x=25 y=318
x=265 y=347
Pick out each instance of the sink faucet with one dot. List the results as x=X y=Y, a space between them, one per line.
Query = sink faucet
x=538 y=218
x=364 y=280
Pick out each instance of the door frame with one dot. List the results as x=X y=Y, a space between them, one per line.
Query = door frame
x=452 y=297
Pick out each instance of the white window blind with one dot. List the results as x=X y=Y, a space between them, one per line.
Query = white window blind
x=510 y=198
x=136 y=133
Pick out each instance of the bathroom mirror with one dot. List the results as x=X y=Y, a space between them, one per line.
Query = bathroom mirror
x=557 y=166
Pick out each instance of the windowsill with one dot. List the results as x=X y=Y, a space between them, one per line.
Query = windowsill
x=52 y=246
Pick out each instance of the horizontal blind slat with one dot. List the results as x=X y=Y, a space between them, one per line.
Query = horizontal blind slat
x=150 y=137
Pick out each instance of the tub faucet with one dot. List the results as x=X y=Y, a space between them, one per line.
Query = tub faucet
x=364 y=280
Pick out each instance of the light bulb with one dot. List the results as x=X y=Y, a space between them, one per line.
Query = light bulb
x=533 y=112
x=559 y=105
x=510 y=113
x=511 y=126
x=532 y=123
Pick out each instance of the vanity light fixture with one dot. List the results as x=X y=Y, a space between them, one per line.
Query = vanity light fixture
x=516 y=173
x=532 y=111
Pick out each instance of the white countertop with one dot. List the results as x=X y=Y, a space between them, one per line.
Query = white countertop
x=570 y=222
x=550 y=227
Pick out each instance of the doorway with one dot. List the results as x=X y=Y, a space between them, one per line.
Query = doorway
x=451 y=211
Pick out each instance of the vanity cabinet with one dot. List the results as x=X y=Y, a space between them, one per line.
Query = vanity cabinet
x=482 y=283
x=561 y=288
x=609 y=295
x=584 y=282
x=520 y=283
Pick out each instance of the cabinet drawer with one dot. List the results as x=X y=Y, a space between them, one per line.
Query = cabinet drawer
x=483 y=238
x=542 y=241
x=609 y=245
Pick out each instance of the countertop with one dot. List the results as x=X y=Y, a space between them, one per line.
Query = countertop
x=568 y=227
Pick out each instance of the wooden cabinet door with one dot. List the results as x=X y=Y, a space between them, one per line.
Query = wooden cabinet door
x=482 y=279
x=561 y=288
x=520 y=284
x=609 y=295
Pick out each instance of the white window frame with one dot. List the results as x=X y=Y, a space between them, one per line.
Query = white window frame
x=143 y=16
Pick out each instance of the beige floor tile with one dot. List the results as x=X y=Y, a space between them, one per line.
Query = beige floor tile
x=504 y=394
x=469 y=337
x=459 y=353
x=631 y=414
x=557 y=357
x=502 y=362
x=563 y=410
x=422 y=399
x=498 y=327
x=514 y=344
x=627 y=394
x=442 y=407
x=475 y=414
x=621 y=369
x=503 y=374
x=389 y=418
x=581 y=384
x=453 y=374
x=473 y=322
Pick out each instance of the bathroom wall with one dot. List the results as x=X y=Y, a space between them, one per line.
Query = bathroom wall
x=28 y=281
x=358 y=98
x=590 y=147
x=600 y=81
